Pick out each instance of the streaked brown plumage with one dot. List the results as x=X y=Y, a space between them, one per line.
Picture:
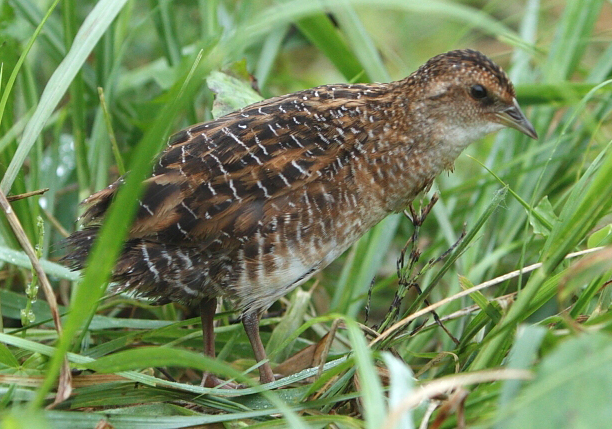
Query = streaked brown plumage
x=251 y=205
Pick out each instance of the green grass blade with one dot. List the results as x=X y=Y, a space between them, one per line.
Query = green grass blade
x=322 y=33
x=111 y=235
x=90 y=32
x=372 y=393
x=363 y=45
x=6 y=91
x=20 y=259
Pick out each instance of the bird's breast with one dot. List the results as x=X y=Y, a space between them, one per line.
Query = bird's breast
x=312 y=226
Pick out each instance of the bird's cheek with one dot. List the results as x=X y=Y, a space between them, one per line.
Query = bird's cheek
x=437 y=90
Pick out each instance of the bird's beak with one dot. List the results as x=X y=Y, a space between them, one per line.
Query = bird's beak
x=513 y=117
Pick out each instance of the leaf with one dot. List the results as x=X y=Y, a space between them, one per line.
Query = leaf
x=153 y=410
x=321 y=32
x=86 y=39
x=523 y=353
x=402 y=385
x=562 y=92
x=7 y=358
x=26 y=418
x=371 y=387
x=583 y=272
x=231 y=93
x=601 y=237
x=545 y=219
x=20 y=259
x=490 y=308
x=13 y=302
x=108 y=244
x=165 y=356
x=300 y=300
x=572 y=389
x=305 y=358
x=497 y=199
x=361 y=43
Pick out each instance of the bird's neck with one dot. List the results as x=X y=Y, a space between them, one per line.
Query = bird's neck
x=415 y=147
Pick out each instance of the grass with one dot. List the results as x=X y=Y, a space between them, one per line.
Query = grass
x=513 y=352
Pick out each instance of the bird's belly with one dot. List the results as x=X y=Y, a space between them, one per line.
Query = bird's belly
x=291 y=264
x=311 y=229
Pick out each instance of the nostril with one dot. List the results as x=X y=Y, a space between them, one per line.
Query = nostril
x=514 y=113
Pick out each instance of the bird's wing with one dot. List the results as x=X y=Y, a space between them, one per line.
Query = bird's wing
x=222 y=177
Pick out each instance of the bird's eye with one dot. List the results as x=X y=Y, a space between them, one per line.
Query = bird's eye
x=478 y=92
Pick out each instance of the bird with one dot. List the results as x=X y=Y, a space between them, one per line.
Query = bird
x=252 y=204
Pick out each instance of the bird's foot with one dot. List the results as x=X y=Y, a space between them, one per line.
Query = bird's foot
x=210 y=380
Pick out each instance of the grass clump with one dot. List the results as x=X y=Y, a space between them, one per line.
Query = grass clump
x=521 y=302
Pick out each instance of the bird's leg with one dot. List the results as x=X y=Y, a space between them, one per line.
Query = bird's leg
x=250 y=320
x=208 y=307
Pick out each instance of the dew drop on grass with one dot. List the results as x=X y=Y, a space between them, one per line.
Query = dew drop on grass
x=27 y=316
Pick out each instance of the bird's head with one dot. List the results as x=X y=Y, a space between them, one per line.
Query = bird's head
x=468 y=95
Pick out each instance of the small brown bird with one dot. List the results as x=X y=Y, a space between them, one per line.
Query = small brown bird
x=251 y=205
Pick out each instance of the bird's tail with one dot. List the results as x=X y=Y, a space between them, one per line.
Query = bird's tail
x=79 y=245
x=150 y=269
